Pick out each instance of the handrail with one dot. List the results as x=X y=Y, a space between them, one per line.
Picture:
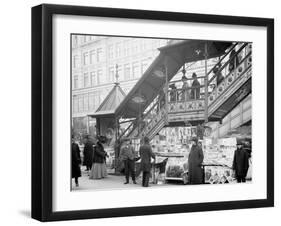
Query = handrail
x=121 y=135
x=227 y=62
x=145 y=115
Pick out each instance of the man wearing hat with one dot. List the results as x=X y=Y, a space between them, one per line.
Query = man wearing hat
x=195 y=159
x=127 y=155
x=173 y=92
x=240 y=162
x=195 y=87
x=88 y=152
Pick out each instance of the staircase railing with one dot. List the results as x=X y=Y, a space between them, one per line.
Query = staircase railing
x=135 y=128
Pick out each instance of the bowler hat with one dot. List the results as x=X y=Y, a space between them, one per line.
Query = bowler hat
x=239 y=142
x=194 y=139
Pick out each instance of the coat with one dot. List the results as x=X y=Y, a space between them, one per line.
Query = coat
x=75 y=161
x=233 y=63
x=99 y=154
x=195 y=91
x=240 y=162
x=146 y=154
x=195 y=159
x=88 y=154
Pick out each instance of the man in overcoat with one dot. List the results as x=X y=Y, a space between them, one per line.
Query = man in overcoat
x=75 y=162
x=88 y=153
x=240 y=162
x=128 y=155
x=146 y=154
x=195 y=159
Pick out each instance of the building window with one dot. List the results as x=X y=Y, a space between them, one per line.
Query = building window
x=110 y=51
x=144 y=65
x=75 y=82
x=127 y=72
x=75 y=104
x=99 y=76
x=86 y=80
x=75 y=61
x=91 y=101
x=86 y=58
x=135 y=70
x=110 y=77
x=118 y=50
x=92 y=56
x=86 y=102
x=99 y=54
x=80 y=104
x=126 y=48
x=135 y=47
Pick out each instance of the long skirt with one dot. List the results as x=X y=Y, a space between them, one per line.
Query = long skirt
x=98 y=171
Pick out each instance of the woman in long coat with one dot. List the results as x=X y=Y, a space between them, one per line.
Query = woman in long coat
x=146 y=154
x=75 y=162
x=195 y=159
x=98 y=170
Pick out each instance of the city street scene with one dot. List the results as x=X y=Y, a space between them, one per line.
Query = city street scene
x=153 y=112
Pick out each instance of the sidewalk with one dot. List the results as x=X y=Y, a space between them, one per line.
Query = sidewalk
x=108 y=183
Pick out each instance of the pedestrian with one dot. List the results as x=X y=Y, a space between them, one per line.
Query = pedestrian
x=173 y=93
x=128 y=155
x=195 y=87
x=217 y=72
x=240 y=162
x=185 y=89
x=233 y=60
x=98 y=170
x=195 y=159
x=88 y=152
x=146 y=154
x=75 y=161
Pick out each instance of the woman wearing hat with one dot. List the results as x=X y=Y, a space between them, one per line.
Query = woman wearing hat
x=195 y=159
x=98 y=170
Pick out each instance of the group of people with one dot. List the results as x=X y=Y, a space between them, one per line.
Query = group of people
x=129 y=156
x=188 y=93
x=94 y=159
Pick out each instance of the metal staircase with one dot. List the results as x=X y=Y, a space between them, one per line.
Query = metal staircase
x=221 y=99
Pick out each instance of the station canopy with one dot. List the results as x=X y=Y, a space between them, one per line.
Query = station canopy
x=171 y=57
x=110 y=103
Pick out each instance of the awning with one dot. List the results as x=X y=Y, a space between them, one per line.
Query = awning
x=172 y=56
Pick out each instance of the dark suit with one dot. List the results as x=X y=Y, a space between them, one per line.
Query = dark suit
x=241 y=164
x=75 y=162
x=195 y=159
x=88 y=155
x=146 y=154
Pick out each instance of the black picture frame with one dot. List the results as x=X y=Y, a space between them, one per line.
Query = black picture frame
x=42 y=108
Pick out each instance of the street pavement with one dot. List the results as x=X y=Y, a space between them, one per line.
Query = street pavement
x=108 y=183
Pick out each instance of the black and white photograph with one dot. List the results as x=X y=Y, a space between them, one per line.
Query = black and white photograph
x=159 y=112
